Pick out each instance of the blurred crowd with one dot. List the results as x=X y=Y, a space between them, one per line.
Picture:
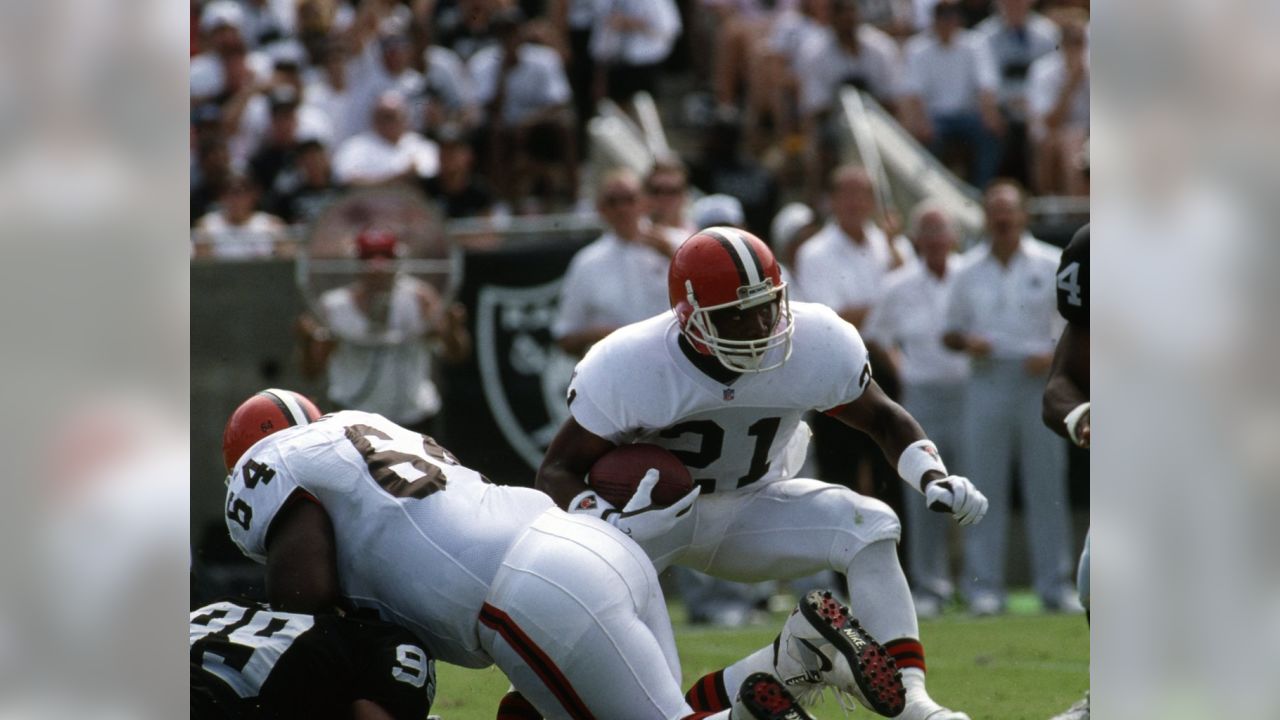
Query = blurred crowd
x=482 y=105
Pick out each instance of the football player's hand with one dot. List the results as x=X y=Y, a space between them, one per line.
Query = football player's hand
x=958 y=496
x=641 y=519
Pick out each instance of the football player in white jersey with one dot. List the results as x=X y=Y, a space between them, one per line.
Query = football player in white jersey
x=722 y=382
x=350 y=508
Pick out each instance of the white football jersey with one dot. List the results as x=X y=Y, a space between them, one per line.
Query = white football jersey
x=637 y=385
x=419 y=536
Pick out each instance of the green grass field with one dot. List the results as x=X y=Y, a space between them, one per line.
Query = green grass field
x=1022 y=666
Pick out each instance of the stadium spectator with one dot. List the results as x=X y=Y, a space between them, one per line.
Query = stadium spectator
x=1017 y=37
x=1059 y=90
x=949 y=94
x=794 y=224
x=228 y=64
x=574 y=19
x=632 y=254
x=210 y=173
x=448 y=91
x=629 y=42
x=1001 y=312
x=457 y=188
x=909 y=321
x=237 y=229
x=667 y=188
x=388 y=152
x=844 y=265
x=331 y=88
x=849 y=53
x=307 y=188
x=376 y=338
x=525 y=94
x=280 y=143
x=725 y=168
x=465 y=27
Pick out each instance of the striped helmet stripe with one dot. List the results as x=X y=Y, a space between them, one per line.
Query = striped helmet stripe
x=750 y=271
x=289 y=405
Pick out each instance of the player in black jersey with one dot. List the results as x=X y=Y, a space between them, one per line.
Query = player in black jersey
x=1066 y=396
x=251 y=662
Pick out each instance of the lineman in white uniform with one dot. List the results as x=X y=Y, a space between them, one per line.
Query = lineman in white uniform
x=724 y=384
x=352 y=506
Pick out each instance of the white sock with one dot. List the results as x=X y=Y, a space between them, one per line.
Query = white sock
x=878 y=593
x=913 y=679
x=758 y=661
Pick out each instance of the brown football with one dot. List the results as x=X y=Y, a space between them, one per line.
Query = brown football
x=617 y=473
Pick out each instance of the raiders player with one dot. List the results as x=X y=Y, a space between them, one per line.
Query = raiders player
x=351 y=507
x=248 y=661
x=723 y=382
x=1066 y=396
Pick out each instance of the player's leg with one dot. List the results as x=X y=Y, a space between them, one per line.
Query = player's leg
x=576 y=619
x=795 y=527
x=1042 y=458
x=989 y=434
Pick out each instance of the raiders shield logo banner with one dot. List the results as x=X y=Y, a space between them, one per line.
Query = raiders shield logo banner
x=523 y=372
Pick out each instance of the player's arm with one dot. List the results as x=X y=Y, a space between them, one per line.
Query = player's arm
x=905 y=445
x=569 y=457
x=302 y=569
x=1067 y=391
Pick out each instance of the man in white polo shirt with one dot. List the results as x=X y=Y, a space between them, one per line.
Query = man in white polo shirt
x=950 y=90
x=630 y=40
x=620 y=278
x=844 y=265
x=1002 y=312
x=909 y=321
x=390 y=151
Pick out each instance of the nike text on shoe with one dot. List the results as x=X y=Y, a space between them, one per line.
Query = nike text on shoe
x=822 y=644
x=766 y=699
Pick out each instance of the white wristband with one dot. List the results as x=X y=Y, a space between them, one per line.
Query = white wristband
x=919 y=458
x=1072 y=421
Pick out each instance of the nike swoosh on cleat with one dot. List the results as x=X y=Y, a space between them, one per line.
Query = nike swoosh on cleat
x=826 y=662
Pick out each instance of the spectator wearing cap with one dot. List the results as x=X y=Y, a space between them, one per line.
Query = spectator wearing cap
x=667 y=188
x=632 y=252
x=1059 y=93
x=237 y=229
x=629 y=42
x=457 y=188
x=305 y=189
x=525 y=94
x=909 y=322
x=850 y=53
x=375 y=338
x=724 y=168
x=252 y=113
x=1017 y=37
x=949 y=94
x=390 y=151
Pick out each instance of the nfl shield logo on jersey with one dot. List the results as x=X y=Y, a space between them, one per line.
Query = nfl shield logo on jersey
x=728 y=394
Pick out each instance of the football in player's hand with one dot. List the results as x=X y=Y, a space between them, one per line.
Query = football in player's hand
x=617 y=473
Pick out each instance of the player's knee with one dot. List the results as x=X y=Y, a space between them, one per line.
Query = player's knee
x=863 y=520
